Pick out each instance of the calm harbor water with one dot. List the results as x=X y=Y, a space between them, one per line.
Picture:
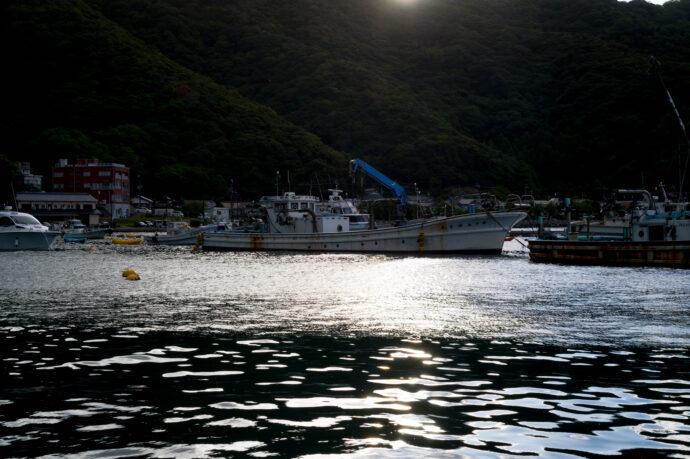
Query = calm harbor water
x=292 y=355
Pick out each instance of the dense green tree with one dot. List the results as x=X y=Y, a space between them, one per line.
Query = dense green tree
x=554 y=96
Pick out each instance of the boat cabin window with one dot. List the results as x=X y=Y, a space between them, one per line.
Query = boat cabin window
x=280 y=206
x=305 y=205
x=26 y=220
x=5 y=221
x=294 y=206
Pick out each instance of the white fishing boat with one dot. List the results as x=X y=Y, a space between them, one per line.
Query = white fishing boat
x=304 y=223
x=21 y=231
x=289 y=223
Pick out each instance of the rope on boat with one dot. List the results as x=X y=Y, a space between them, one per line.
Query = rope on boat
x=504 y=228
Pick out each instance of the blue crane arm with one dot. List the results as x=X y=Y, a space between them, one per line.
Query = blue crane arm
x=380 y=178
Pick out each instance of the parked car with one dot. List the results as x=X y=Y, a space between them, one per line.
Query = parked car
x=140 y=224
x=142 y=210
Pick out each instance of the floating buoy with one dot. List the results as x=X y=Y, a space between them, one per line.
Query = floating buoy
x=199 y=242
x=132 y=277
x=126 y=241
x=128 y=272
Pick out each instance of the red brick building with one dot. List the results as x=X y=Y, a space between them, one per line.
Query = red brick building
x=107 y=182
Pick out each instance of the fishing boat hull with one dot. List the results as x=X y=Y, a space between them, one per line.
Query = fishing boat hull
x=96 y=234
x=612 y=253
x=27 y=240
x=476 y=233
x=180 y=239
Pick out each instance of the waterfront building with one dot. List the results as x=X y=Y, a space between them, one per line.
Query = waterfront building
x=29 y=181
x=142 y=202
x=107 y=182
x=57 y=207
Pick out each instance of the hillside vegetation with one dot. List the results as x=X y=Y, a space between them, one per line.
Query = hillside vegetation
x=196 y=96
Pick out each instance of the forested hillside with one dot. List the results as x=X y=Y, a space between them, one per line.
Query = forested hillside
x=554 y=95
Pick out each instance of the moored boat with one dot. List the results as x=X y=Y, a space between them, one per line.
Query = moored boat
x=21 y=231
x=96 y=233
x=180 y=233
x=657 y=234
x=75 y=228
x=290 y=223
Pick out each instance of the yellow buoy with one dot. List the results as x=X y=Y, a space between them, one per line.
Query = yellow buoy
x=128 y=272
x=199 y=242
x=133 y=277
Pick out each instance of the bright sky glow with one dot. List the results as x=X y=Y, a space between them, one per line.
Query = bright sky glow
x=656 y=2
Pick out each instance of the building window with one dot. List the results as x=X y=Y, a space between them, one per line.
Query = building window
x=87 y=185
x=104 y=173
x=58 y=186
x=87 y=174
x=58 y=174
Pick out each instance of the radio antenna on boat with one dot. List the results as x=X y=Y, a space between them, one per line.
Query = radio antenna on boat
x=656 y=66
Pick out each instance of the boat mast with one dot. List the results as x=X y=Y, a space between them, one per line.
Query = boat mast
x=656 y=65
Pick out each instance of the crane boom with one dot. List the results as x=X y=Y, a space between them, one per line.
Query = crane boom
x=368 y=169
x=382 y=179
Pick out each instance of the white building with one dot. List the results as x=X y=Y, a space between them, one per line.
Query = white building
x=29 y=180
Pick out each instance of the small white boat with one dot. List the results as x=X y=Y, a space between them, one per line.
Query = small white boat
x=74 y=226
x=21 y=231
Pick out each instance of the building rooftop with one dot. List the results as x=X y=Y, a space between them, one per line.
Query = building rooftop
x=55 y=196
x=86 y=163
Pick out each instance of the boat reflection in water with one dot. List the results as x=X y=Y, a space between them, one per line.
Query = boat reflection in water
x=21 y=231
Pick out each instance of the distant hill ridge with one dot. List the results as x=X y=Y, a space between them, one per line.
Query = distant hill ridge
x=197 y=97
